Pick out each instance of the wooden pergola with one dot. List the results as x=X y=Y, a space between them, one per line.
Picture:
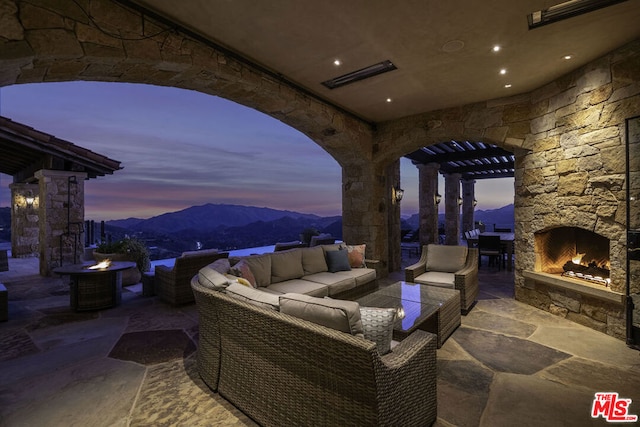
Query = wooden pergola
x=459 y=162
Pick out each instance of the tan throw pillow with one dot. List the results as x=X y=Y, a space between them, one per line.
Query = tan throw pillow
x=444 y=258
x=377 y=326
x=336 y=314
x=243 y=270
x=356 y=255
x=254 y=296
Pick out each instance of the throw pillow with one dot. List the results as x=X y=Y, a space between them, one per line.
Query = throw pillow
x=254 y=296
x=212 y=279
x=356 y=255
x=377 y=326
x=338 y=261
x=333 y=313
x=243 y=270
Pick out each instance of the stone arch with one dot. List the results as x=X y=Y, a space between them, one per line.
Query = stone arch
x=107 y=41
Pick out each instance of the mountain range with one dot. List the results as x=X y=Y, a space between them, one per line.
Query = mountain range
x=229 y=227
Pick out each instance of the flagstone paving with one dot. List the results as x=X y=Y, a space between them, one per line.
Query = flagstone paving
x=134 y=365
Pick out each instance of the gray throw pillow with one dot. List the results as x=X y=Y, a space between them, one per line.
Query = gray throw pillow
x=338 y=261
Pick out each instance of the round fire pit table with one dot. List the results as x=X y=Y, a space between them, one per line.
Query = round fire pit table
x=95 y=289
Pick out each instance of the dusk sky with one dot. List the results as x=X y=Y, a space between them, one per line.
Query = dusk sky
x=183 y=148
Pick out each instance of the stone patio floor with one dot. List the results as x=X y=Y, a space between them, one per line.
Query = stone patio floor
x=134 y=365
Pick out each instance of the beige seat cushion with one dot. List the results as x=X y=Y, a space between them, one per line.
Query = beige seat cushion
x=333 y=313
x=361 y=275
x=212 y=279
x=299 y=286
x=437 y=278
x=446 y=258
x=335 y=282
x=254 y=296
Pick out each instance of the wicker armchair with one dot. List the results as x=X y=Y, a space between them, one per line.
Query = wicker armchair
x=281 y=370
x=173 y=284
x=454 y=267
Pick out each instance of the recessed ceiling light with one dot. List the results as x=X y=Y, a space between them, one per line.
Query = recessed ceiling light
x=508 y=85
x=503 y=71
x=337 y=62
x=496 y=48
x=389 y=100
x=567 y=57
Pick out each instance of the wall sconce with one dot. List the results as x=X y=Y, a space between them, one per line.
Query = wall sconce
x=459 y=201
x=438 y=198
x=475 y=203
x=397 y=194
x=29 y=199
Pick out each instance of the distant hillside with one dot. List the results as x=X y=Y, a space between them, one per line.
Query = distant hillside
x=501 y=217
x=220 y=226
x=207 y=218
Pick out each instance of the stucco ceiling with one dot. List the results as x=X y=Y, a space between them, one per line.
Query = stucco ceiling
x=300 y=40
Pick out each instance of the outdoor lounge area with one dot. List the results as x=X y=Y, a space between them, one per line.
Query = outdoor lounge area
x=557 y=108
x=135 y=364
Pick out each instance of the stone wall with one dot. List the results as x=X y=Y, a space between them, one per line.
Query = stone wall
x=574 y=175
x=24 y=220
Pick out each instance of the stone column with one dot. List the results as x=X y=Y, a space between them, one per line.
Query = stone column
x=428 y=209
x=393 y=182
x=468 y=208
x=61 y=218
x=25 y=203
x=365 y=199
x=452 y=208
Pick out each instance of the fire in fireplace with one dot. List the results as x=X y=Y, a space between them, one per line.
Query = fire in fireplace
x=573 y=252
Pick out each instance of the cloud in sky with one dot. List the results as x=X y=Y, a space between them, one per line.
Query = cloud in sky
x=181 y=148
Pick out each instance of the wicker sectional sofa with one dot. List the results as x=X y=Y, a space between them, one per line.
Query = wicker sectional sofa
x=283 y=370
x=309 y=271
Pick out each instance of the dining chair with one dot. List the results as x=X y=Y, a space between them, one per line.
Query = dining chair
x=489 y=246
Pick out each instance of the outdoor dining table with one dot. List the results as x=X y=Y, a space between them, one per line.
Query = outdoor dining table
x=506 y=243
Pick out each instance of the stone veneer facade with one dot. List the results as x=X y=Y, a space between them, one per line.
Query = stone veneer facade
x=567 y=136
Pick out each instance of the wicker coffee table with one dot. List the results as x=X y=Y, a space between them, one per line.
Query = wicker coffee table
x=429 y=308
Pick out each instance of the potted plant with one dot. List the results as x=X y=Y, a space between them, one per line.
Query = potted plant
x=126 y=249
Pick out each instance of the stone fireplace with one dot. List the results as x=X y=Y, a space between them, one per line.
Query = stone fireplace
x=570 y=193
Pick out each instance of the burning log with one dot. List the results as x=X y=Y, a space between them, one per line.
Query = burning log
x=592 y=269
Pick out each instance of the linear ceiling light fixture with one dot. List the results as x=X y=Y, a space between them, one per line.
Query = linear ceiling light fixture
x=364 y=73
x=566 y=10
